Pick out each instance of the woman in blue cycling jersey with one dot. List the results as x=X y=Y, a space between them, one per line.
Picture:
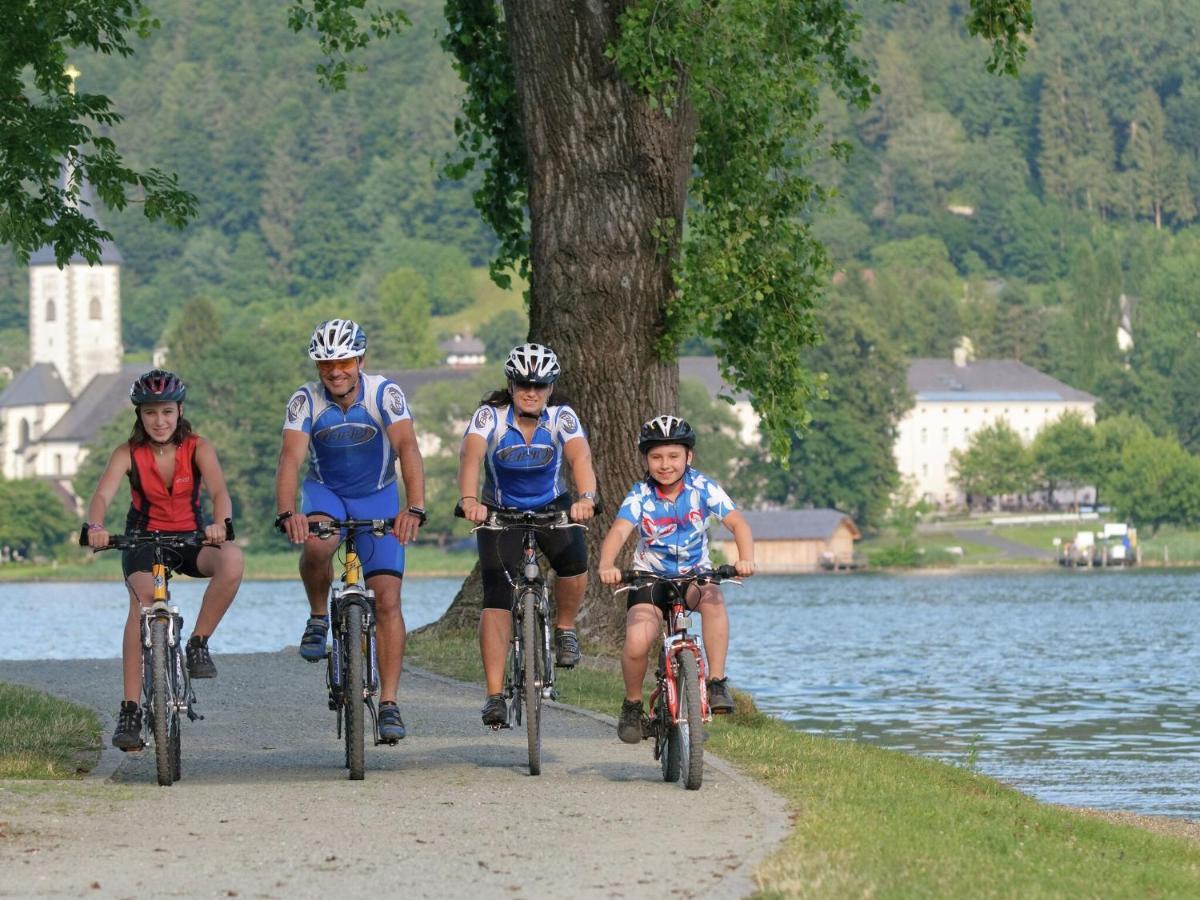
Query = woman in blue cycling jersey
x=526 y=437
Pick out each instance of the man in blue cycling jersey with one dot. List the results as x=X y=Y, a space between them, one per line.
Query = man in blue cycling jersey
x=354 y=427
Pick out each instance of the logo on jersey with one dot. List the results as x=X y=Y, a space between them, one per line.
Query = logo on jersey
x=345 y=434
x=296 y=408
x=525 y=456
x=393 y=400
x=570 y=424
x=483 y=418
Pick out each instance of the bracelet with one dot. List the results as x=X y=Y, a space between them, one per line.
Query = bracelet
x=419 y=512
x=468 y=497
x=95 y=526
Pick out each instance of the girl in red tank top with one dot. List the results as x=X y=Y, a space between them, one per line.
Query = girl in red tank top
x=166 y=464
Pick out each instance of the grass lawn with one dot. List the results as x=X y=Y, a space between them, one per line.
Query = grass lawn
x=44 y=737
x=872 y=822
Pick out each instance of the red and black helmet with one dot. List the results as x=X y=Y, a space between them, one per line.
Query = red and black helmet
x=157 y=386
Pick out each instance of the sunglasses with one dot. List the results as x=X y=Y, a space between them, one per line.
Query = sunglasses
x=343 y=365
x=530 y=386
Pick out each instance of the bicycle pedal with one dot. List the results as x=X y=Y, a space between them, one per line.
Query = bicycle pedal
x=498 y=726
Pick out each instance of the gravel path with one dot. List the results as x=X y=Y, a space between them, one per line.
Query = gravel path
x=265 y=810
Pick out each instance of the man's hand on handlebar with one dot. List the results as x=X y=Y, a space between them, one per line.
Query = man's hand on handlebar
x=295 y=527
x=582 y=510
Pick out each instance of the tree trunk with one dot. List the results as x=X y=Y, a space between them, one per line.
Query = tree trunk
x=606 y=172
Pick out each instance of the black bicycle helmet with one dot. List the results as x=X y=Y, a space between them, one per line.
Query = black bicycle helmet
x=532 y=363
x=666 y=430
x=157 y=386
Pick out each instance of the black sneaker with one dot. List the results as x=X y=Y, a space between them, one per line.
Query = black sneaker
x=199 y=663
x=566 y=647
x=719 y=699
x=128 y=735
x=391 y=726
x=312 y=643
x=495 y=711
x=630 y=726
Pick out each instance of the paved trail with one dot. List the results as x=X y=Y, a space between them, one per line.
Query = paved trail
x=265 y=810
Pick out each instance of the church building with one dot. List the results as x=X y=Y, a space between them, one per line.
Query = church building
x=76 y=382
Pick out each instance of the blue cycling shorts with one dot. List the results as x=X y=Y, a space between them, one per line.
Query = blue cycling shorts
x=379 y=555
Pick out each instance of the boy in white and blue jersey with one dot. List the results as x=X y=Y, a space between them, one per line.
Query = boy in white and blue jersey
x=670 y=510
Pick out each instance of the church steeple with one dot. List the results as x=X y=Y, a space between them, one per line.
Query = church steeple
x=75 y=312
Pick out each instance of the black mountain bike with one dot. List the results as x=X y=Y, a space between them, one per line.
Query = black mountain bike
x=352 y=675
x=529 y=675
x=679 y=703
x=166 y=689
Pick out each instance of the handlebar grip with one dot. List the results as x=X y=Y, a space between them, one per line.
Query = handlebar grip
x=459 y=512
x=83 y=533
x=229 y=529
x=726 y=572
x=628 y=576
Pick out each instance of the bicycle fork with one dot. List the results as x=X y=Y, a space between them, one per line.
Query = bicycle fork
x=336 y=673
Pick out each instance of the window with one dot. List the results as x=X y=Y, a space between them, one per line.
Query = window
x=924 y=433
x=57 y=463
x=50 y=310
x=945 y=435
x=94 y=309
x=924 y=471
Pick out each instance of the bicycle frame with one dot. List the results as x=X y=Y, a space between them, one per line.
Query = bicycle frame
x=678 y=640
x=175 y=682
x=351 y=592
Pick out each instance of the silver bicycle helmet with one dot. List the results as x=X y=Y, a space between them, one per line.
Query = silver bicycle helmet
x=532 y=363
x=337 y=339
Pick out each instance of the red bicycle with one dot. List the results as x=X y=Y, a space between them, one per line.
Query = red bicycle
x=679 y=703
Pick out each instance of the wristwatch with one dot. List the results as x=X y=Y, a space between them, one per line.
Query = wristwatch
x=588 y=495
x=419 y=512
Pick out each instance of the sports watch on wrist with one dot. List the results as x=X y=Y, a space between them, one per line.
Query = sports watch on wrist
x=588 y=495
x=419 y=512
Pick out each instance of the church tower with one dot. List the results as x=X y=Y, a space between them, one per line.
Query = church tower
x=75 y=312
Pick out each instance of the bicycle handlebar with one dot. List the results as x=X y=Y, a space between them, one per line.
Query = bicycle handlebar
x=141 y=538
x=715 y=576
x=502 y=518
x=324 y=528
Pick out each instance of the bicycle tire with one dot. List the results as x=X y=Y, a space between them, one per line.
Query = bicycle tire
x=666 y=735
x=691 y=728
x=532 y=636
x=161 y=707
x=353 y=694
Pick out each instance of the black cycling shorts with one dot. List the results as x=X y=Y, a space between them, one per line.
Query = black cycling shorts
x=182 y=560
x=661 y=595
x=500 y=552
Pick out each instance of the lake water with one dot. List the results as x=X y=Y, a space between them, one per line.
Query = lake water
x=1076 y=687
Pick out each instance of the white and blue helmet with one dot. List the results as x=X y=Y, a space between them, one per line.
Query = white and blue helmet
x=532 y=363
x=337 y=339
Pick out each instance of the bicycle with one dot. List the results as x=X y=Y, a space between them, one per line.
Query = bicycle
x=352 y=673
x=529 y=669
x=679 y=702
x=166 y=688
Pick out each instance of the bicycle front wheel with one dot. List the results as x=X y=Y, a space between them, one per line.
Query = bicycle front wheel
x=162 y=709
x=691 y=728
x=532 y=637
x=352 y=696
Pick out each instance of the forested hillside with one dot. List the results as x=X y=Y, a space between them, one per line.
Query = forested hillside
x=1017 y=212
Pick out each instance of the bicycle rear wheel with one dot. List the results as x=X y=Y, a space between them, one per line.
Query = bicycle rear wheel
x=352 y=697
x=532 y=638
x=691 y=728
x=162 y=709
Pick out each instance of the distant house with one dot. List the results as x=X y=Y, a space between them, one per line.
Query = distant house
x=954 y=398
x=795 y=540
x=463 y=350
